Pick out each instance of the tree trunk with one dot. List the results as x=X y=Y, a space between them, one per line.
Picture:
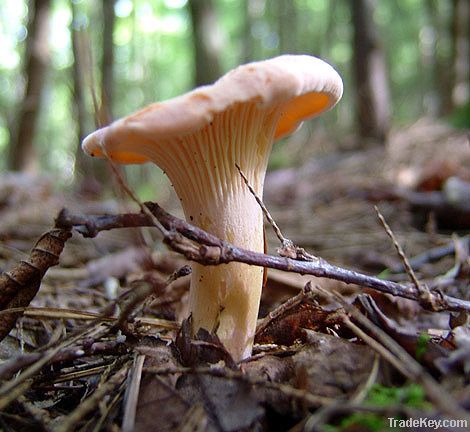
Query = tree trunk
x=371 y=82
x=439 y=87
x=78 y=71
x=23 y=156
x=91 y=175
x=460 y=52
x=107 y=62
x=248 y=49
x=83 y=163
x=208 y=41
x=287 y=26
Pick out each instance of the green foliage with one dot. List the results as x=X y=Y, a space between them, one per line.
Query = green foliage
x=460 y=118
x=280 y=157
x=368 y=422
x=422 y=345
x=411 y=395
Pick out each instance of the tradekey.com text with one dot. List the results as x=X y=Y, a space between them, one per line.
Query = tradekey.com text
x=425 y=422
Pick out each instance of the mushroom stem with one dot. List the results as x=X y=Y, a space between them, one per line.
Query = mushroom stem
x=226 y=298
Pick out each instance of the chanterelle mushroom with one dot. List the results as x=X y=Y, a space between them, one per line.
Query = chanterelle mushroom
x=198 y=139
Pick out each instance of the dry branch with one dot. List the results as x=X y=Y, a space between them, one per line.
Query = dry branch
x=198 y=245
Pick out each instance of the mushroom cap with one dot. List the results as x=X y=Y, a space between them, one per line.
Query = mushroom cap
x=301 y=86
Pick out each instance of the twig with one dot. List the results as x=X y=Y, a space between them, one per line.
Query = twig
x=284 y=241
x=288 y=248
x=398 y=248
x=198 y=245
x=76 y=375
x=132 y=394
x=425 y=297
x=74 y=314
x=433 y=255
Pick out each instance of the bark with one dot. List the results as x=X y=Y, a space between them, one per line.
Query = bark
x=208 y=41
x=23 y=156
x=107 y=62
x=371 y=81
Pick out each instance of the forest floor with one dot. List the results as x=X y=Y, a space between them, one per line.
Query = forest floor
x=95 y=348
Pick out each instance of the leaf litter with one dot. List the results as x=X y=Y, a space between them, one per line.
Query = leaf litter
x=102 y=344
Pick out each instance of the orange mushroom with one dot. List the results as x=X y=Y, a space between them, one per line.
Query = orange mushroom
x=198 y=139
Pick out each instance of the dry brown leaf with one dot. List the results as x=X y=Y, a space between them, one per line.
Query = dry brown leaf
x=20 y=285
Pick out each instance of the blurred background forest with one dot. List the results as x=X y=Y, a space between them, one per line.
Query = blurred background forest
x=67 y=66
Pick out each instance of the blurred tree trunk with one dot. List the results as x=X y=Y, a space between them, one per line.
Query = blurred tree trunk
x=23 y=156
x=371 y=81
x=449 y=72
x=329 y=37
x=91 y=174
x=78 y=76
x=107 y=62
x=208 y=41
x=460 y=30
x=438 y=89
x=287 y=26
x=248 y=49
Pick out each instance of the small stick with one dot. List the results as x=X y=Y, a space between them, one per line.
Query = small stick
x=288 y=248
x=132 y=394
x=425 y=296
x=284 y=240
